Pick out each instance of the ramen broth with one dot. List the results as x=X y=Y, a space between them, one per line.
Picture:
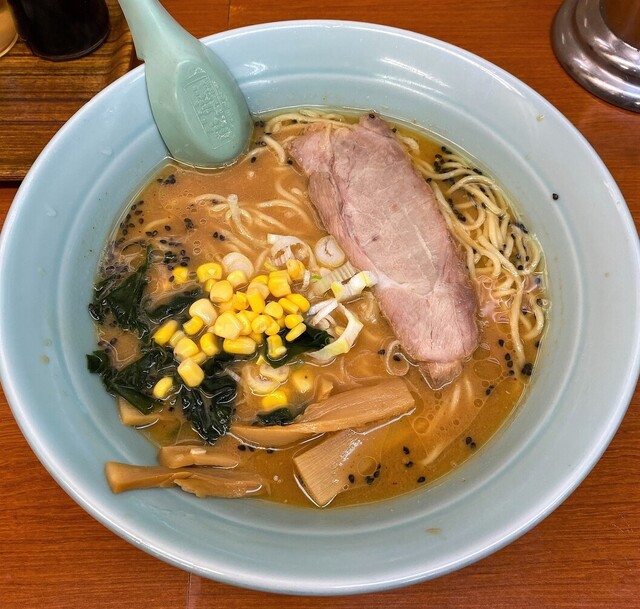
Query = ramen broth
x=176 y=215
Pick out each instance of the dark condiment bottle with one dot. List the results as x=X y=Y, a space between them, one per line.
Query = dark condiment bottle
x=62 y=29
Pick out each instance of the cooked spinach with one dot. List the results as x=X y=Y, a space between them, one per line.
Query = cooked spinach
x=175 y=306
x=209 y=407
x=280 y=416
x=123 y=298
x=311 y=339
x=134 y=382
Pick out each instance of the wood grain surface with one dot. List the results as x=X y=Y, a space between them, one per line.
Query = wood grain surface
x=38 y=96
x=584 y=555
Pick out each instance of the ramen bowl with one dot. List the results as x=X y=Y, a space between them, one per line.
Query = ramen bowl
x=66 y=207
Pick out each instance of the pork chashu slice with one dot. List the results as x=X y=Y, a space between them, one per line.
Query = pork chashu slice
x=386 y=218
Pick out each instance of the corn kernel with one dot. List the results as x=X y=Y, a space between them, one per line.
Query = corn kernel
x=263 y=279
x=237 y=278
x=191 y=373
x=209 y=344
x=193 y=325
x=180 y=275
x=162 y=388
x=261 y=288
x=291 y=321
x=288 y=306
x=209 y=270
x=222 y=291
x=240 y=301
x=302 y=380
x=275 y=399
x=273 y=327
x=228 y=326
x=301 y=301
x=249 y=314
x=255 y=300
x=185 y=349
x=274 y=309
x=261 y=323
x=295 y=268
x=164 y=333
x=203 y=309
x=199 y=358
x=176 y=337
x=239 y=346
x=275 y=347
x=226 y=306
x=279 y=287
x=279 y=274
x=208 y=284
x=295 y=332
x=246 y=323
x=258 y=338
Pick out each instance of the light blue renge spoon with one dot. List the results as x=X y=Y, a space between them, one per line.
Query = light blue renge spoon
x=197 y=104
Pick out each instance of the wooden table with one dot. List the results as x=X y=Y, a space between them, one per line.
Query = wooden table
x=586 y=554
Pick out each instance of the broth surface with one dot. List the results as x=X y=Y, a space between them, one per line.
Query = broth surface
x=174 y=213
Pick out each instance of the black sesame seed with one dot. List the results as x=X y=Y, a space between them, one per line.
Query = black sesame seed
x=289 y=162
x=270 y=451
x=509 y=364
x=511 y=372
x=472 y=445
x=421 y=479
x=372 y=115
x=222 y=237
x=370 y=479
x=405 y=450
x=140 y=220
x=527 y=369
x=381 y=352
x=352 y=478
x=555 y=196
x=468 y=440
x=409 y=464
x=254 y=159
x=501 y=342
x=215 y=235
x=397 y=358
x=242 y=447
x=537 y=344
x=394 y=130
x=507 y=356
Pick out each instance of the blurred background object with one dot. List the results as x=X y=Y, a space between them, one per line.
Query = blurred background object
x=62 y=29
x=8 y=34
x=598 y=44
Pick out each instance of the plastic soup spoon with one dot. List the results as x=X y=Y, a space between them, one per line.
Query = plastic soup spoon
x=197 y=104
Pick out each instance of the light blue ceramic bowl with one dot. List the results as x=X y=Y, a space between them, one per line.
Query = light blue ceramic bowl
x=579 y=392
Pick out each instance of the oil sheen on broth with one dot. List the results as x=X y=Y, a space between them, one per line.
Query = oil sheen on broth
x=174 y=214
